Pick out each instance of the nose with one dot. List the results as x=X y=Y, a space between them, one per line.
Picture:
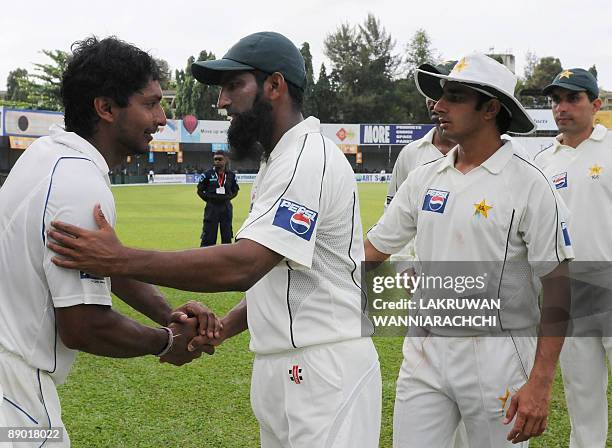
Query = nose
x=224 y=101
x=161 y=116
x=439 y=105
x=560 y=106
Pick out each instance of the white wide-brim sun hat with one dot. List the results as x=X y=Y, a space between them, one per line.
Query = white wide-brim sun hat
x=486 y=75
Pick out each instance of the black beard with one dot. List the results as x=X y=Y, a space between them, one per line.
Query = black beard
x=250 y=133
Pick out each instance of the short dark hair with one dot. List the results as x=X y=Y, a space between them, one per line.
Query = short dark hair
x=219 y=152
x=109 y=67
x=502 y=119
x=295 y=92
x=592 y=97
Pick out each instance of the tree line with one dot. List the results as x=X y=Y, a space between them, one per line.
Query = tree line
x=367 y=80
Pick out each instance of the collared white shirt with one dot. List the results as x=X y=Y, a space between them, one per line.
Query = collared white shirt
x=59 y=177
x=505 y=210
x=582 y=176
x=412 y=155
x=305 y=207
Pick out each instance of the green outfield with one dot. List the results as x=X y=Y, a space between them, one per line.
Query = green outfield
x=141 y=403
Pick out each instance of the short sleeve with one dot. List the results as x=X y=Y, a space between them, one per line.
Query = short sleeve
x=76 y=186
x=287 y=204
x=398 y=225
x=544 y=228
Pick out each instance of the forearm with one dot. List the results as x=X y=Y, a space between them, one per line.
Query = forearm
x=211 y=269
x=547 y=356
x=111 y=334
x=553 y=323
x=235 y=321
x=144 y=298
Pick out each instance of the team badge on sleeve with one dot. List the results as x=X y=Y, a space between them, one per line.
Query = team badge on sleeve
x=435 y=200
x=560 y=180
x=295 y=218
x=566 y=236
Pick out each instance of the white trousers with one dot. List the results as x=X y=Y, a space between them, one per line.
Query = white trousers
x=28 y=398
x=446 y=379
x=325 y=396
x=585 y=377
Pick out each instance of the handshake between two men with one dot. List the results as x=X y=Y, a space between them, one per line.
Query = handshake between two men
x=194 y=330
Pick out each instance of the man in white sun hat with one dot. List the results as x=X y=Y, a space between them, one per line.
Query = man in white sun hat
x=483 y=202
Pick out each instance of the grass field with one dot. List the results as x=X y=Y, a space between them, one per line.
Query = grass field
x=141 y=403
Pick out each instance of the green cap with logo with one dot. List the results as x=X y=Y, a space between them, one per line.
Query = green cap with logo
x=266 y=51
x=576 y=79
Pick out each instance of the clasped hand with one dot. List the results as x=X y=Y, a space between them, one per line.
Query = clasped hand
x=196 y=330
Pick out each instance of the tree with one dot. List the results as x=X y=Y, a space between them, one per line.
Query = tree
x=193 y=97
x=409 y=105
x=16 y=87
x=364 y=66
x=325 y=98
x=165 y=77
x=309 y=107
x=419 y=51
x=46 y=92
x=543 y=73
x=538 y=74
x=40 y=90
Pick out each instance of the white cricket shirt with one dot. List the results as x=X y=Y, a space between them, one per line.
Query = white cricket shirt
x=59 y=177
x=582 y=176
x=503 y=211
x=305 y=207
x=412 y=155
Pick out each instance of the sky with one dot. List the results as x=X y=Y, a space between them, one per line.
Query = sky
x=578 y=33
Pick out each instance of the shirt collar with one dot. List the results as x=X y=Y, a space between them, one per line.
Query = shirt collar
x=428 y=138
x=310 y=124
x=494 y=164
x=598 y=134
x=79 y=144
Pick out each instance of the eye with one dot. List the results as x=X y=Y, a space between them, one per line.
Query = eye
x=453 y=97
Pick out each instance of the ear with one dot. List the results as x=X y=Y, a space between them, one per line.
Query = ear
x=105 y=108
x=492 y=108
x=275 y=86
x=597 y=105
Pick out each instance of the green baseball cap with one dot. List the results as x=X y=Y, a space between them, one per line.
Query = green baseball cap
x=444 y=68
x=576 y=79
x=266 y=51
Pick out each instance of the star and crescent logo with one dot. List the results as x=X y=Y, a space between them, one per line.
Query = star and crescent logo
x=482 y=209
x=504 y=399
x=461 y=65
x=565 y=74
x=595 y=171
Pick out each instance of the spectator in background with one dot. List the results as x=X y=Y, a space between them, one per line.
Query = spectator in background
x=217 y=188
x=151 y=176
